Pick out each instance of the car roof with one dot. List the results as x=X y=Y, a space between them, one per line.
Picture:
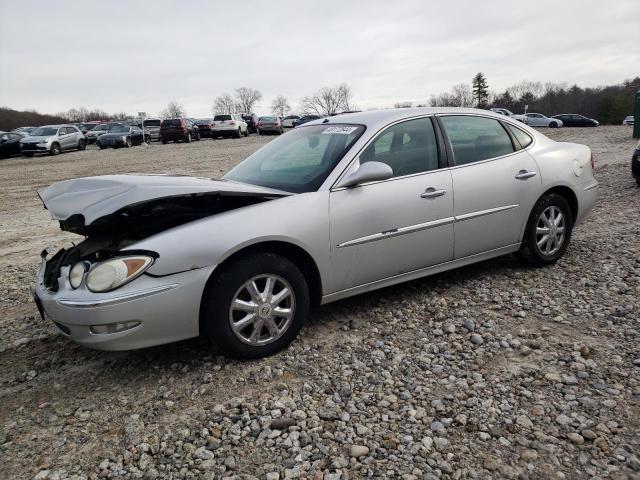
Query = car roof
x=380 y=118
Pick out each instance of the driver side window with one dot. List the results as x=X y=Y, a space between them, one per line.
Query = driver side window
x=408 y=147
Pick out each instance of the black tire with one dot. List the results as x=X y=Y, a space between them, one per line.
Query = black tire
x=29 y=154
x=101 y=147
x=637 y=179
x=246 y=133
x=239 y=133
x=197 y=136
x=127 y=142
x=259 y=133
x=147 y=139
x=82 y=145
x=530 y=252
x=553 y=125
x=164 y=142
x=55 y=149
x=188 y=139
x=222 y=288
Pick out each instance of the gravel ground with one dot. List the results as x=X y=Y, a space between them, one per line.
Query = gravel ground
x=491 y=371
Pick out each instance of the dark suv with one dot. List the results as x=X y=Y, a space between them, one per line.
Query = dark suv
x=252 y=122
x=205 y=127
x=178 y=130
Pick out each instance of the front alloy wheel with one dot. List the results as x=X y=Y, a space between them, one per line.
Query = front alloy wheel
x=262 y=309
x=255 y=306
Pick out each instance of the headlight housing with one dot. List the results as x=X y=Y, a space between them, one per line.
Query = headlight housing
x=116 y=272
x=76 y=274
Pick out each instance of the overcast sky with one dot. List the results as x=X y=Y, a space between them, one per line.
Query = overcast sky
x=135 y=56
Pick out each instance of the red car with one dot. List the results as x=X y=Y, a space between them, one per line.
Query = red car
x=178 y=130
x=205 y=127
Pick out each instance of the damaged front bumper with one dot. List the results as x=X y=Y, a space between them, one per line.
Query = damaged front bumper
x=145 y=312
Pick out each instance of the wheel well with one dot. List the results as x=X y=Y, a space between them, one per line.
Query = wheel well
x=296 y=254
x=569 y=196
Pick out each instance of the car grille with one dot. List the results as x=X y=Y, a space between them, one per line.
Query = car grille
x=31 y=146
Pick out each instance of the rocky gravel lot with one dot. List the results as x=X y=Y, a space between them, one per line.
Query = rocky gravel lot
x=492 y=371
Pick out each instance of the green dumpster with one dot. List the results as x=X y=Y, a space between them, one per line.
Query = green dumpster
x=636 y=115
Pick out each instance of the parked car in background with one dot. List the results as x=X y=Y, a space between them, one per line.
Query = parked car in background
x=229 y=125
x=630 y=120
x=100 y=129
x=10 y=143
x=540 y=120
x=252 y=122
x=205 y=127
x=178 y=130
x=287 y=122
x=635 y=163
x=331 y=209
x=510 y=114
x=152 y=128
x=85 y=127
x=304 y=119
x=24 y=129
x=575 y=120
x=269 y=125
x=53 y=139
x=122 y=136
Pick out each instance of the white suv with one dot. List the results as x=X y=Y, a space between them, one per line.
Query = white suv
x=229 y=125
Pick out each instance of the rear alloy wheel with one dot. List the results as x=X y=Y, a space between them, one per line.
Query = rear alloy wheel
x=82 y=145
x=127 y=142
x=55 y=149
x=239 y=133
x=548 y=231
x=553 y=125
x=255 y=306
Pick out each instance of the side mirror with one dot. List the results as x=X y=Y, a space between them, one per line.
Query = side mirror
x=367 y=172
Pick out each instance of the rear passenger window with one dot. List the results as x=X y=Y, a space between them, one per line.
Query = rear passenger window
x=523 y=138
x=476 y=138
x=407 y=147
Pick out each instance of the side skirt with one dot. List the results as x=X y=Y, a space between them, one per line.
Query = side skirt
x=422 y=272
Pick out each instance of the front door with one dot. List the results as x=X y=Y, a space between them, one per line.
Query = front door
x=387 y=228
x=495 y=184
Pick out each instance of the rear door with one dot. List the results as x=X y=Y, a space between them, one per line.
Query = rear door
x=495 y=184
x=65 y=137
x=387 y=228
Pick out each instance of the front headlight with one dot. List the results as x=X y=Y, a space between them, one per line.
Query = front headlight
x=76 y=274
x=116 y=272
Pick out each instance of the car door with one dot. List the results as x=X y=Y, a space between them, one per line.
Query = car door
x=387 y=228
x=63 y=138
x=495 y=181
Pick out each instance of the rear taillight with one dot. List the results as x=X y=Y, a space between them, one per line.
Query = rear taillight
x=232 y=123
x=593 y=161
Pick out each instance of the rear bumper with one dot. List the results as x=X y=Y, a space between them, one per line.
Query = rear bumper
x=172 y=136
x=160 y=310
x=587 y=196
x=269 y=129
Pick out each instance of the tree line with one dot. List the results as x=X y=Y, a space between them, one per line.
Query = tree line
x=608 y=104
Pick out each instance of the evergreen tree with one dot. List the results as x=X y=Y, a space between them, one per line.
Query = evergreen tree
x=480 y=90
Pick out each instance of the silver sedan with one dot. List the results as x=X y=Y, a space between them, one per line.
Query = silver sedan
x=336 y=207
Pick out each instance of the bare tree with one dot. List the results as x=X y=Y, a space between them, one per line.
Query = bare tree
x=403 y=105
x=461 y=96
x=224 y=104
x=247 y=98
x=173 y=110
x=280 y=106
x=328 y=100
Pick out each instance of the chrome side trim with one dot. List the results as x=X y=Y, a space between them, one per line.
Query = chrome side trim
x=422 y=226
x=115 y=300
x=482 y=213
x=422 y=272
x=397 y=232
x=591 y=186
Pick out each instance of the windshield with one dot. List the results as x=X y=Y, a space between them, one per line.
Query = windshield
x=221 y=118
x=44 y=131
x=298 y=161
x=119 y=129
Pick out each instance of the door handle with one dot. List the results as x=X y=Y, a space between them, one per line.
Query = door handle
x=432 y=193
x=523 y=175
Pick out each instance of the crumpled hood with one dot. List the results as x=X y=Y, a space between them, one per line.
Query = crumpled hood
x=96 y=197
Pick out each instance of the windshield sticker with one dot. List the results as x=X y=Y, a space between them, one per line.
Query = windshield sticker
x=339 y=130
